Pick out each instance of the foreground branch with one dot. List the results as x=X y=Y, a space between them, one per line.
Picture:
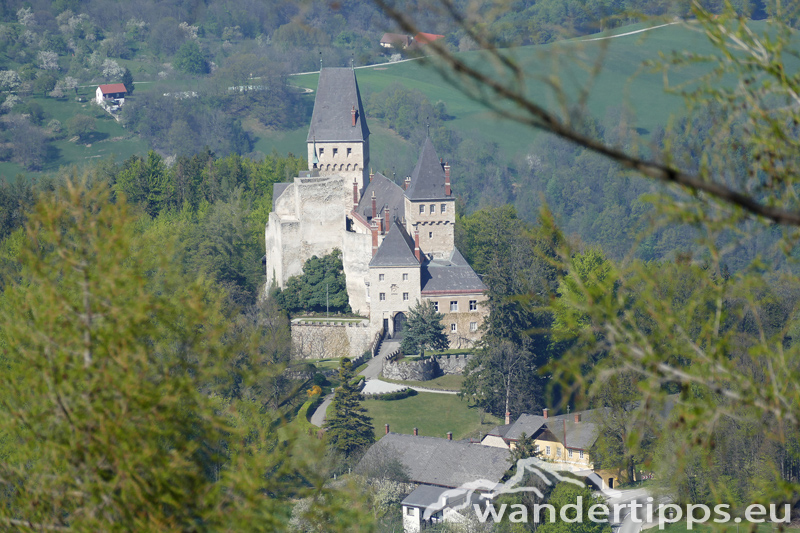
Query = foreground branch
x=540 y=118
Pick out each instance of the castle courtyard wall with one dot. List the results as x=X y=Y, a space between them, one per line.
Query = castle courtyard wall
x=324 y=339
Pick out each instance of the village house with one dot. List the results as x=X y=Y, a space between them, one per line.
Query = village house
x=440 y=468
x=395 y=40
x=113 y=93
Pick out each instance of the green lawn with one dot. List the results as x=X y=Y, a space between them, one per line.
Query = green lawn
x=433 y=414
x=448 y=382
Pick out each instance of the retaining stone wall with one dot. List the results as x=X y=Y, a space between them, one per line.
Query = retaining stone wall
x=322 y=340
x=410 y=370
x=452 y=364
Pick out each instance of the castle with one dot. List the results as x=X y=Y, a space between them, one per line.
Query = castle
x=397 y=242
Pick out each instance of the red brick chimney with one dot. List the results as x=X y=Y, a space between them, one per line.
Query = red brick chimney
x=353 y=113
x=388 y=217
x=416 y=432
x=508 y=417
x=447 y=179
x=416 y=244
x=374 y=227
x=577 y=417
x=355 y=194
x=449 y=435
x=544 y=413
x=407 y=182
x=374 y=206
x=387 y=429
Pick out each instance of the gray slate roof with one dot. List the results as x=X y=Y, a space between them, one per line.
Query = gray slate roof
x=277 y=190
x=579 y=435
x=500 y=431
x=388 y=195
x=449 y=275
x=528 y=424
x=444 y=462
x=337 y=93
x=427 y=180
x=397 y=249
x=434 y=497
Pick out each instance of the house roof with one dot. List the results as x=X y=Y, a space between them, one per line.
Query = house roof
x=397 y=249
x=395 y=38
x=500 y=431
x=425 y=38
x=337 y=94
x=579 y=434
x=426 y=496
x=450 y=275
x=444 y=462
x=528 y=424
x=112 y=88
x=427 y=180
x=388 y=195
x=277 y=190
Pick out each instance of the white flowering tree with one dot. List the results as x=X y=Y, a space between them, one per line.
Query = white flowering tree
x=9 y=80
x=111 y=69
x=48 y=60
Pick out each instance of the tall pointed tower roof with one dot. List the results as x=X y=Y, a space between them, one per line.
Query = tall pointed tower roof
x=337 y=100
x=427 y=180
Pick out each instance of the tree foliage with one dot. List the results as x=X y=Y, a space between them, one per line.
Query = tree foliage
x=423 y=330
x=321 y=288
x=349 y=429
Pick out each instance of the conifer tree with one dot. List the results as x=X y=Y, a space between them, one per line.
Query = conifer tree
x=349 y=427
x=424 y=329
x=127 y=81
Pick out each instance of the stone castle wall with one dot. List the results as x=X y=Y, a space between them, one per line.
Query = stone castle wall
x=452 y=364
x=425 y=369
x=323 y=340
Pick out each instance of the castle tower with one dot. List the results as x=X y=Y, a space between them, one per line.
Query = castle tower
x=338 y=139
x=430 y=204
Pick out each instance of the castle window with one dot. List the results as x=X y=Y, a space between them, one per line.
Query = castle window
x=382 y=296
x=452 y=328
x=430 y=235
x=349 y=151
x=405 y=277
x=473 y=305
x=422 y=210
x=405 y=296
x=348 y=164
x=433 y=208
x=355 y=166
x=321 y=151
x=473 y=326
x=335 y=151
x=444 y=208
x=454 y=305
x=380 y=277
x=436 y=306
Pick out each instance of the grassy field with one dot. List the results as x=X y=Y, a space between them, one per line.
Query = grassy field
x=449 y=382
x=433 y=414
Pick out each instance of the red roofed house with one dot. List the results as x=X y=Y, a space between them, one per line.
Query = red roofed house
x=112 y=91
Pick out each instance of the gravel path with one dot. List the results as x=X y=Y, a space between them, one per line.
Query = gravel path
x=318 y=418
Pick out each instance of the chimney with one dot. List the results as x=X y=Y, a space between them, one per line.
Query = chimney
x=355 y=194
x=416 y=432
x=577 y=417
x=407 y=182
x=374 y=227
x=388 y=217
x=416 y=244
x=387 y=429
x=508 y=417
x=544 y=413
x=374 y=206
x=371 y=174
x=447 y=179
x=449 y=435
x=380 y=225
x=353 y=113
